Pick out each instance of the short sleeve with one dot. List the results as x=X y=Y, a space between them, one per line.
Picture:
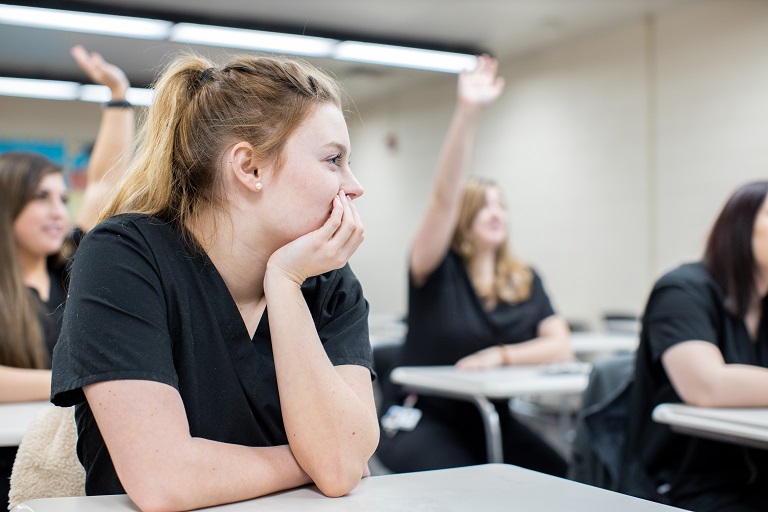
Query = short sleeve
x=677 y=312
x=342 y=320
x=539 y=295
x=115 y=323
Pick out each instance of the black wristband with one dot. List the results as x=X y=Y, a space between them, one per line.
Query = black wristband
x=118 y=104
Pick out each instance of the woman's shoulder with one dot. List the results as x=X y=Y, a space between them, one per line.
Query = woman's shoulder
x=688 y=275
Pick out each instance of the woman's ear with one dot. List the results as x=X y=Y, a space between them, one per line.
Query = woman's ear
x=241 y=163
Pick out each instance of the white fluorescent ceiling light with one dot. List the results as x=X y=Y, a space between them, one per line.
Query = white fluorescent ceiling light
x=404 y=57
x=100 y=94
x=252 y=39
x=123 y=26
x=49 y=89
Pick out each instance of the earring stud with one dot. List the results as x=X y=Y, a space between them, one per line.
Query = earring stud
x=259 y=186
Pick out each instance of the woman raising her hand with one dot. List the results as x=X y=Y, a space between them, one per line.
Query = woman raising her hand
x=471 y=304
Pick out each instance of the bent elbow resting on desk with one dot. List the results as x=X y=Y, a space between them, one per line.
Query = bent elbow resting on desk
x=339 y=466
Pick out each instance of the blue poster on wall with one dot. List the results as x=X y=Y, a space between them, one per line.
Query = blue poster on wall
x=71 y=156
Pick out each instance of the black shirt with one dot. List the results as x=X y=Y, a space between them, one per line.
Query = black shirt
x=687 y=304
x=447 y=320
x=51 y=311
x=145 y=306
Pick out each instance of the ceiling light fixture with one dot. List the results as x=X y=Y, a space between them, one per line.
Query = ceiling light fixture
x=48 y=89
x=89 y=23
x=401 y=56
x=252 y=39
x=101 y=94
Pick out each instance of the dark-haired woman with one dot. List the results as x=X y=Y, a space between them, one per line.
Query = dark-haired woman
x=705 y=343
x=472 y=304
x=36 y=240
x=215 y=341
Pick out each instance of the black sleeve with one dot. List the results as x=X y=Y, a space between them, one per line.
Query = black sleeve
x=342 y=319
x=539 y=295
x=115 y=323
x=678 y=312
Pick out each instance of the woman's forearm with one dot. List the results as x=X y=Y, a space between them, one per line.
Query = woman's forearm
x=163 y=469
x=24 y=385
x=328 y=412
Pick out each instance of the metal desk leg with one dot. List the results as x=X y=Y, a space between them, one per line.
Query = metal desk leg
x=492 y=428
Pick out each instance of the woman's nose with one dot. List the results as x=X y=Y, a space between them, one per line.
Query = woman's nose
x=351 y=187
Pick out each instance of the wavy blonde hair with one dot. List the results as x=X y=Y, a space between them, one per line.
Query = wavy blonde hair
x=198 y=111
x=513 y=278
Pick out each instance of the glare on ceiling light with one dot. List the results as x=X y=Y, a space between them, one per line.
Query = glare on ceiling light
x=28 y=88
x=124 y=26
x=404 y=57
x=251 y=39
x=101 y=93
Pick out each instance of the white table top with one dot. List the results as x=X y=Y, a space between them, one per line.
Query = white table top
x=596 y=342
x=503 y=382
x=741 y=426
x=15 y=418
x=487 y=488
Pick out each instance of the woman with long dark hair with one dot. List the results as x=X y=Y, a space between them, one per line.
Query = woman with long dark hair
x=704 y=342
x=36 y=241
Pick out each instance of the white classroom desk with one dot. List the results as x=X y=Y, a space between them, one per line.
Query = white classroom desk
x=479 y=387
x=15 y=419
x=595 y=342
x=747 y=427
x=486 y=488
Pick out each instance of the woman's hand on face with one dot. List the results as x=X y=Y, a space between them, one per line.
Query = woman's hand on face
x=481 y=86
x=101 y=71
x=325 y=249
x=490 y=357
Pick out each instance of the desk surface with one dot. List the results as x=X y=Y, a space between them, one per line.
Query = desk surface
x=503 y=382
x=597 y=342
x=487 y=488
x=741 y=426
x=15 y=418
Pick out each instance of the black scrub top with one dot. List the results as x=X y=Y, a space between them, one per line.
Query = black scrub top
x=447 y=320
x=687 y=304
x=144 y=305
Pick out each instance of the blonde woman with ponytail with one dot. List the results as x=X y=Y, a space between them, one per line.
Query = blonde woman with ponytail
x=215 y=340
x=471 y=304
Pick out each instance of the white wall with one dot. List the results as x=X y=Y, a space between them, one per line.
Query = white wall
x=615 y=152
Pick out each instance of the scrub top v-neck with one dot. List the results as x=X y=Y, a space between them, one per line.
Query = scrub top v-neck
x=145 y=305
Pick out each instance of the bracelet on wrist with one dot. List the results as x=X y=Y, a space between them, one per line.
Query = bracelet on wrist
x=118 y=104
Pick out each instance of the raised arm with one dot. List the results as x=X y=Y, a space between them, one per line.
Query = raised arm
x=476 y=90
x=701 y=377
x=109 y=157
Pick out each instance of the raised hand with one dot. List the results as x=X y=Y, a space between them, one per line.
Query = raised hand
x=325 y=249
x=101 y=71
x=481 y=86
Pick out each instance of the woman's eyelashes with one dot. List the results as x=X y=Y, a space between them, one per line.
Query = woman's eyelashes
x=337 y=159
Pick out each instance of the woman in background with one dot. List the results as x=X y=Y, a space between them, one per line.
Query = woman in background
x=704 y=342
x=472 y=304
x=37 y=242
x=215 y=341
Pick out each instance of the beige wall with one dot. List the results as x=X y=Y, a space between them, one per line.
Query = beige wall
x=615 y=152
